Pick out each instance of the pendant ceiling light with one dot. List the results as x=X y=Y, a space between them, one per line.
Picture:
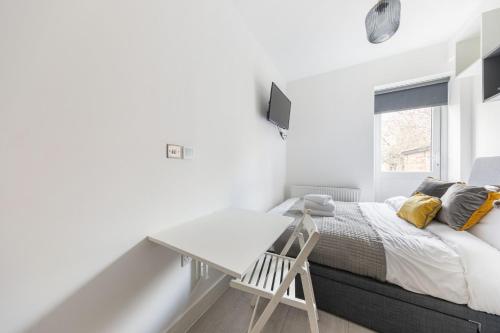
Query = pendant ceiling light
x=382 y=21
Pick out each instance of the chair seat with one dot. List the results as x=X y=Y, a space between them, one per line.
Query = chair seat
x=266 y=276
x=273 y=277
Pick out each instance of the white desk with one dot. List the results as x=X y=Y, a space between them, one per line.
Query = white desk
x=230 y=241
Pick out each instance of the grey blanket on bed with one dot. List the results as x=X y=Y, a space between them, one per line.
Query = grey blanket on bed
x=347 y=241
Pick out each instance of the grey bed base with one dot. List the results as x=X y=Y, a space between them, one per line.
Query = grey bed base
x=387 y=308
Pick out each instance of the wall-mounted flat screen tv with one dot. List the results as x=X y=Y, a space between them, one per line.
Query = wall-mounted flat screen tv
x=279 y=108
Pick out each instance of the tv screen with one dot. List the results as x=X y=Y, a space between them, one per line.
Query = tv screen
x=279 y=108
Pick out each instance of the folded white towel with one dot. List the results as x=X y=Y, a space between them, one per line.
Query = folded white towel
x=328 y=207
x=316 y=209
x=321 y=199
x=314 y=212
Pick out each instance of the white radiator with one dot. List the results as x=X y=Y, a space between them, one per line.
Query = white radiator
x=337 y=193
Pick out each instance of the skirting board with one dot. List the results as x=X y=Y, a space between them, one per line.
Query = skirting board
x=196 y=310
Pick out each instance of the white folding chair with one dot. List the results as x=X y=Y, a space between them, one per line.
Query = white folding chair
x=273 y=277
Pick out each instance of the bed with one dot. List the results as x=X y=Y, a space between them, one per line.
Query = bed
x=433 y=280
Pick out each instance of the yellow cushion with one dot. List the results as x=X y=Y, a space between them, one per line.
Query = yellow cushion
x=420 y=210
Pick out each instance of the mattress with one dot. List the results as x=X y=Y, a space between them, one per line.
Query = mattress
x=437 y=261
x=348 y=241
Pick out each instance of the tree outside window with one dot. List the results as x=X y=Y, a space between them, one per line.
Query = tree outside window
x=406 y=141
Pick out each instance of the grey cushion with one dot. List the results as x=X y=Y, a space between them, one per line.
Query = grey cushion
x=459 y=203
x=433 y=187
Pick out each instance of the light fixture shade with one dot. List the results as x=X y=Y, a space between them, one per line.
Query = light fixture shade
x=382 y=21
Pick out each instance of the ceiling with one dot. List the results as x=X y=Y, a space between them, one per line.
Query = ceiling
x=307 y=37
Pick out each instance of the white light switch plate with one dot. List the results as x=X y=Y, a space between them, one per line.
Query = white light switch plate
x=174 y=151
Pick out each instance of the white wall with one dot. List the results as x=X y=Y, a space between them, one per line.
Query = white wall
x=90 y=93
x=473 y=125
x=460 y=129
x=486 y=124
x=331 y=141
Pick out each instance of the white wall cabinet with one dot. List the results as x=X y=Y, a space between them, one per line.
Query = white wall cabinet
x=491 y=55
x=490 y=32
x=479 y=55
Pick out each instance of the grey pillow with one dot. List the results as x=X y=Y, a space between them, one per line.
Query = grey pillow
x=459 y=203
x=433 y=187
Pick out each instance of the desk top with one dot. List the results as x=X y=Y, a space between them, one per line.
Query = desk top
x=230 y=241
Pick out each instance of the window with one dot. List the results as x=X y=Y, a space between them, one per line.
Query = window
x=406 y=141
x=409 y=141
x=409 y=120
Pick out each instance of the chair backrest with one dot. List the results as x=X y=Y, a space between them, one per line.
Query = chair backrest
x=306 y=246
x=313 y=236
x=308 y=224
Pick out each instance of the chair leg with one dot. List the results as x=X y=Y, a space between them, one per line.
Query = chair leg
x=266 y=314
x=309 y=282
x=274 y=301
x=255 y=300
x=312 y=314
x=272 y=305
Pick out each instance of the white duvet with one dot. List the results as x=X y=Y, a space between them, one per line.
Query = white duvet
x=481 y=267
x=438 y=261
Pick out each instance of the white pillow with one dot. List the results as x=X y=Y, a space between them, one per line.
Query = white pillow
x=488 y=230
x=396 y=202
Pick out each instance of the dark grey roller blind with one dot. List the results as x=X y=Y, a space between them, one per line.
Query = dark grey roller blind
x=415 y=96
